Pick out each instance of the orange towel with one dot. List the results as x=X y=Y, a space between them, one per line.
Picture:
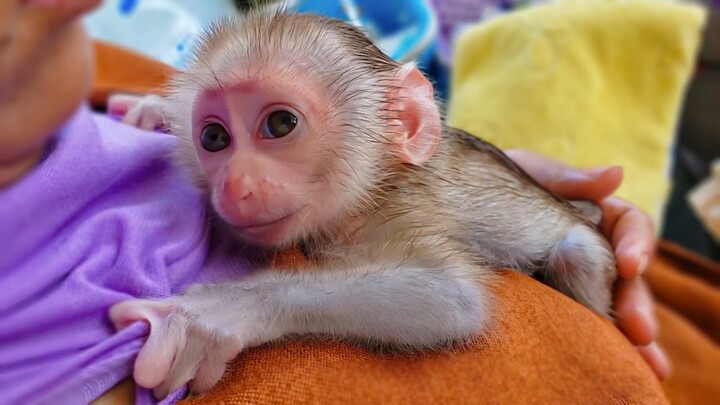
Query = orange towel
x=544 y=349
x=687 y=294
x=124 y=71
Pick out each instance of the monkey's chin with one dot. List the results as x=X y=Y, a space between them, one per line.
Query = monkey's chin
x=276 y=233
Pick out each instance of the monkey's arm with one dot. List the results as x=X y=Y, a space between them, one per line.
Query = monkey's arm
x=194 y=335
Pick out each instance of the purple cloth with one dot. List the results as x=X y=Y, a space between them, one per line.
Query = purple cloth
x=104 y=218
x=454 y=16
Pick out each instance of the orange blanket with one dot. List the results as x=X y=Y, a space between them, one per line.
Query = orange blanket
x=544 y=349
x=687 y=294
x=118 y=70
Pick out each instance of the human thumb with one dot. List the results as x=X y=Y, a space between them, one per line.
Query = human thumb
x=592 y=184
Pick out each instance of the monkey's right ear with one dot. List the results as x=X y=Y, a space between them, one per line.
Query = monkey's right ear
x=419 y=116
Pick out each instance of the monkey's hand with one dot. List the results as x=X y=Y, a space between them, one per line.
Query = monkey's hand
x=192 y=336
x=144 y=112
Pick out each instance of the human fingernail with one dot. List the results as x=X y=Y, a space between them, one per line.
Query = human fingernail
x=599 y=171
x=642 y=264
x=666 y=365
x=596 y=171
x=662 y=365
x=575 y=175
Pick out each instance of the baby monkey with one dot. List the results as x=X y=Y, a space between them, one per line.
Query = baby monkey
x=305 y=135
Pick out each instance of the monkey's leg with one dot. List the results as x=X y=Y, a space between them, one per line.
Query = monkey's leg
x=194 y=335
x=582 y=266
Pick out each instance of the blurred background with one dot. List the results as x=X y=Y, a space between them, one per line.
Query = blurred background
x=425 y=31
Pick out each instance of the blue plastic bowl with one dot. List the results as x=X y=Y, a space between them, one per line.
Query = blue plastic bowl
x=406 y=30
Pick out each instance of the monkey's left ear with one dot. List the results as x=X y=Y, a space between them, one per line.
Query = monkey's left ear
x=420 y=123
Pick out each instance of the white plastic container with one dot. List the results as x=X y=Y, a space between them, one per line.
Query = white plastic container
x=162 y=29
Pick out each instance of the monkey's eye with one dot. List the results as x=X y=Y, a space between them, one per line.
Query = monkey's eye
x=279 y=124
x=214 y=138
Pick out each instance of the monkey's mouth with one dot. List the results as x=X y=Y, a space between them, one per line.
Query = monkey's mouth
x=264 y=224
x=267 y=232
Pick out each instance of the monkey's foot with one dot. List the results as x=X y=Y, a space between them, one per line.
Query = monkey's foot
x=192 y=337
x=583 y=267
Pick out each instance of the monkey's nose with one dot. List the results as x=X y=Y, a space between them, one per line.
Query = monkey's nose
x=238 y=189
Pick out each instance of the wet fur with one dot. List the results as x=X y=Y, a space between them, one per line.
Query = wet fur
x=469 y=203
x=407 y=263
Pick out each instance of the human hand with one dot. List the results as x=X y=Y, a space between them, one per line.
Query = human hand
x=631 y=234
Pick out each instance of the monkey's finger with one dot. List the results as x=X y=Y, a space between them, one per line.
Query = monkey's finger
x=209 y=373
x=153 y=362
x=656 y=358
x=124 y=313
x=133 y=117
x=150 y=122
x=634 y=311
x=632 y=234
x=156 y=356
x=120 y=104
x=172 y=384
x=185 y=365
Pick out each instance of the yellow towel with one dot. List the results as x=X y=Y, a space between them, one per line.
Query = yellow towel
x=588 y=82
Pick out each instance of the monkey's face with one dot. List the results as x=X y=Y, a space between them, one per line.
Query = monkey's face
x=296 y=123
x=276 y=160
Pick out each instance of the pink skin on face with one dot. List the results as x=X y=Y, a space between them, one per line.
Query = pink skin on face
x=266 y=188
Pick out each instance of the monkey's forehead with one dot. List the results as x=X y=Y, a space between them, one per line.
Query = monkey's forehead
x=283 y=42
x=219 y=77
x=269 y=39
